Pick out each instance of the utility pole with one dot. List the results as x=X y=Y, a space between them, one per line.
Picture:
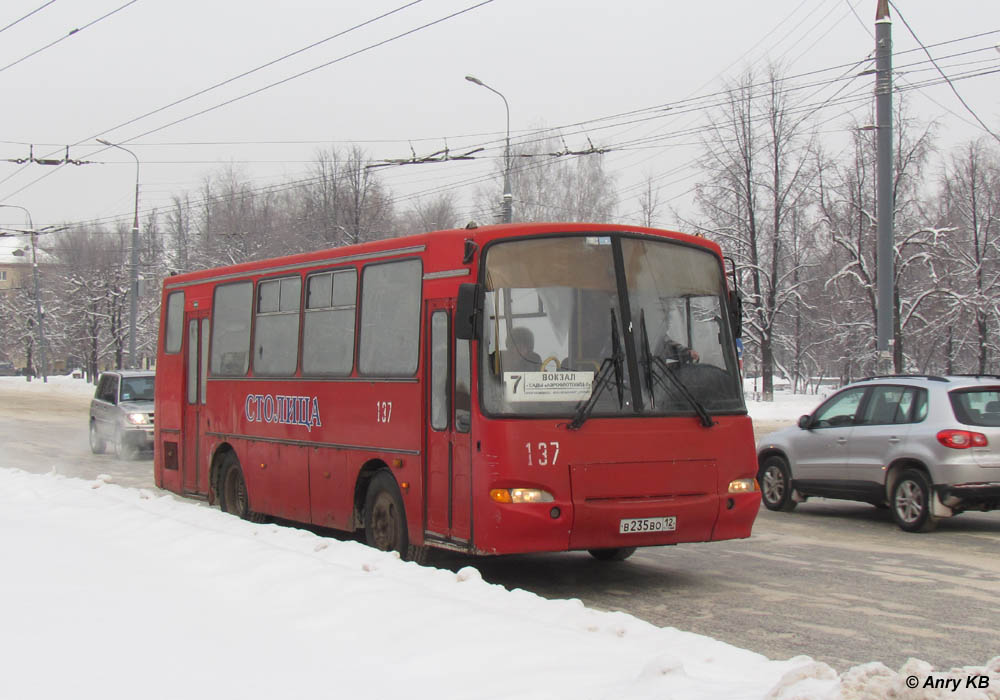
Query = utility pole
x=884 y=199
x=133 y=264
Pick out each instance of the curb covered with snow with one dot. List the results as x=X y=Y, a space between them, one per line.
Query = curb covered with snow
x=123 y=593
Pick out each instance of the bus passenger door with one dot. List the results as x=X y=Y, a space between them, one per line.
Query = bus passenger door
x=447 y=473
x=195 y=390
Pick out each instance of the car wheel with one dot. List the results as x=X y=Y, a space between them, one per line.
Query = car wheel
x=385 y=520
x=776 y=484
x=612 y=554
x=97 y=444
x=124 y=449
x=910 y=501
x=234 y=498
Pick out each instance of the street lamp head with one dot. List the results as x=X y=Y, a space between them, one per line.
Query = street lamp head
x=105 y=142
x=17 y=252
x=474 y=79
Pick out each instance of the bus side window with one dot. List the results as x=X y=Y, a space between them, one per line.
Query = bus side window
x=232 y=310
x=463 y=382
x=175 y=323
x=276 y=332
x=390 y=319
x=328 y=323
x=439 y=370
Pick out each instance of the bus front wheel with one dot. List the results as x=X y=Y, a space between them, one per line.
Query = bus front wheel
x=385 y=519
x=613 y=554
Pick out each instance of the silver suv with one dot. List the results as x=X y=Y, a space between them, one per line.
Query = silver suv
x=121 y=412
x=927 y=447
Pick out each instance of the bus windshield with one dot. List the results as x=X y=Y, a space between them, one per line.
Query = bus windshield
x=565 y=324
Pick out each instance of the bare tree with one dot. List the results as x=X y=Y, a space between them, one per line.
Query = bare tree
x=971 y=202
x=550 y=183
x=431 y=215
x=649 y=203
x=756 y=159
x=318 y=201
x=366 y=205
x=17 y=325
x=94 y=283
x=847 y=200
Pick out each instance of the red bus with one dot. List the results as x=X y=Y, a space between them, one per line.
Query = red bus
x=513 y=388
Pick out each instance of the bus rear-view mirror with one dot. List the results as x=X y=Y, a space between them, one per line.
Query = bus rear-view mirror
x=467 y=309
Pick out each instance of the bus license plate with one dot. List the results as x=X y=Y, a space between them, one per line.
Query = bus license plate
x=630 y=525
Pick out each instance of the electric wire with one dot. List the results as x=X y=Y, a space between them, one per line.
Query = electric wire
x=271 y=85
x=233 y=78
x=646 y=109
x=305 y=182
x=21 y=19
x=72 y=32
x=659 y=107
x=943 y=74
x=858 y=100
x=260 y=68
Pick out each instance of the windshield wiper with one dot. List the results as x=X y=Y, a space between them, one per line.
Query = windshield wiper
x=603 y=379
x=659 y=370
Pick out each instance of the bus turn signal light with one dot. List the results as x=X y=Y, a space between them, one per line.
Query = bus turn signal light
x=520 y=495
x=743 y=486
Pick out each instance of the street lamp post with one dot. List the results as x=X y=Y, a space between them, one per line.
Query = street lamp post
x=38 y=299
x=134 y=260
x=507 y=205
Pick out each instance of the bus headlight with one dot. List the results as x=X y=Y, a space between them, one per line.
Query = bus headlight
x=520 y=495
x=743 y=486
x=137 y=418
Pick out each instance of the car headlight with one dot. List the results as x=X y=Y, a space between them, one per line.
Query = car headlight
x=137 y=418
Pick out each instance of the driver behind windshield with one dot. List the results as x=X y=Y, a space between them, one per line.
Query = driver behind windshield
x=520 y=355
x=672 y=351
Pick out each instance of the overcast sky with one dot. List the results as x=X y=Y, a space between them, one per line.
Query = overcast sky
x=558 y=62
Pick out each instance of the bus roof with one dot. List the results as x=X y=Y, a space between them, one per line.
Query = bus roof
x=451 y=238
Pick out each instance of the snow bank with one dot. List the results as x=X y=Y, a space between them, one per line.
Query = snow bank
x=121 y=593
x=785 y=407
x=57 y=384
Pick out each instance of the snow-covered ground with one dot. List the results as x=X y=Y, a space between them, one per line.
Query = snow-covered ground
x=111 y=592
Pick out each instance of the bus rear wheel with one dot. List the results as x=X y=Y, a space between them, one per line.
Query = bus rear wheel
x=612 y=554
x=385 y=520
x=234 y=498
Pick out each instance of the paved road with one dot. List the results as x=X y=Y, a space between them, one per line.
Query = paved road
x=837 y=581
x=834 y=580
x=48 y=433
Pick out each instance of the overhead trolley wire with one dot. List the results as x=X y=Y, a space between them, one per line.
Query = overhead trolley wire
x=943 y=74
x=72 y=32
x=270 y=85
x=259 y=68
x=857 y=98
x=345 y=57
x=21 y=19
x=233 y=78
x=650 y=111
